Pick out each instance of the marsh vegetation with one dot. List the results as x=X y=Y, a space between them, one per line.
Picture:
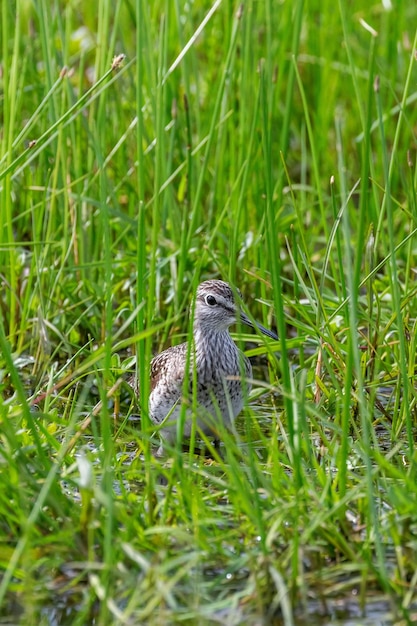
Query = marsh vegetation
x=270 y=144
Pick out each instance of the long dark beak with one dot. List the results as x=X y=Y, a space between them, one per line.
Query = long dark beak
x=269 y=333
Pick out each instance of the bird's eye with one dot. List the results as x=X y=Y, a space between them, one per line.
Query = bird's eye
x=211 y=300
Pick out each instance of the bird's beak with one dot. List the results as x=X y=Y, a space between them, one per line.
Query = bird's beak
x=269 y=333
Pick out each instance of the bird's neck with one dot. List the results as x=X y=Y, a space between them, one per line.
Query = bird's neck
x=211 y=345
x=204 y=333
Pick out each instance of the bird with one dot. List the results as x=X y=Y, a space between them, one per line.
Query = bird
x=219 y=374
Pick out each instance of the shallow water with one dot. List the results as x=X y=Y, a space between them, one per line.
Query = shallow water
x=341 y=612
x=348 y=612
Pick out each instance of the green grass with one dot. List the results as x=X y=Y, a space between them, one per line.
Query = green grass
x=272 y=145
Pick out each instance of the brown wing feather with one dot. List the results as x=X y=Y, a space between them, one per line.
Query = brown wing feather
x=168 y=364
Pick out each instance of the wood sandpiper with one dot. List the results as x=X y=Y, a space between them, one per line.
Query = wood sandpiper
x=220 y=371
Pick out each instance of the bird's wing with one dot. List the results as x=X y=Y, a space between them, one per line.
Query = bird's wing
x=169 y=365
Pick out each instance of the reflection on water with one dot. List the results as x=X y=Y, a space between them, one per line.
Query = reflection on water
x=348 y=612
